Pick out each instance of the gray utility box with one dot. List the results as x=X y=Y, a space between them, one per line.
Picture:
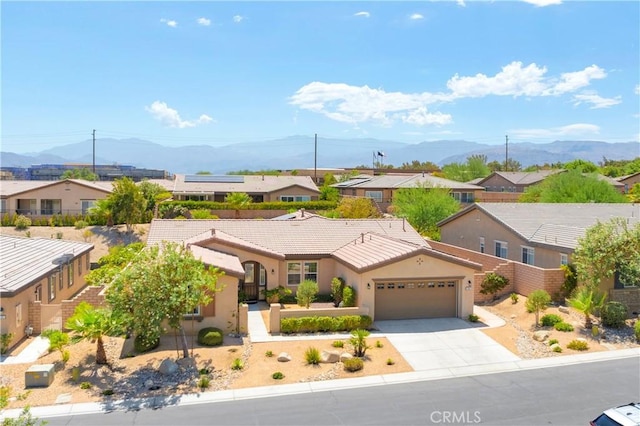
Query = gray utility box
x=39 y=376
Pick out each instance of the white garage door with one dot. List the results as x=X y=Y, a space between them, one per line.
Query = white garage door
x=416 y=299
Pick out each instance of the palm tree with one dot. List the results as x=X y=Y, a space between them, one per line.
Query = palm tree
x=587 y=300
x=91 y=323
x=238 y=200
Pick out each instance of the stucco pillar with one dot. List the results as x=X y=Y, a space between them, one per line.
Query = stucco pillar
x=243 y=318
x=274 y=318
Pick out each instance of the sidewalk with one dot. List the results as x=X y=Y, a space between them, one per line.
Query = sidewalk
x=31 y=353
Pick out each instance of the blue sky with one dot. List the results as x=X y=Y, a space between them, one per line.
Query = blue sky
x=186 y=73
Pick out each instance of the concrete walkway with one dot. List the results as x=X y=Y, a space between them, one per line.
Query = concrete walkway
x=436 y=349
x=34 y=350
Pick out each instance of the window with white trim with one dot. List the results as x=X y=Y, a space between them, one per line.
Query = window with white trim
x=52 y=286
x=299 y=271
x=86 y=205
x=374 y=195
x=481 y=244
x=564 y=259
x=3 y=206
x=528 y=255
x=501 y=249
x=296 y=198
x=70 y=275
x=195 y=313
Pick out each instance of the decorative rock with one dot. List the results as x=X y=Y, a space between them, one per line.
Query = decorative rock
x=513 y=316
x=168 y=367
x=345 y=355
x=554 y=346
x=563 y=309
x=148 y=384
x=540 y=335
x=329 y=357
x=284 y=357
x=187 y=363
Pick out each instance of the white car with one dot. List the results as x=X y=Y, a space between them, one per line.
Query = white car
x=624 y=415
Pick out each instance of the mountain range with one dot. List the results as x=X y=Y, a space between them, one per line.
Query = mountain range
x=297 y=152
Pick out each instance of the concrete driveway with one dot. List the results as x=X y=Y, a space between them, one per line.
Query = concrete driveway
x=430 y=344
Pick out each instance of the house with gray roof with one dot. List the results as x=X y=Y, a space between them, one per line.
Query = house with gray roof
x=539 y=234
x=393 y=270
x=628 y=181
x=513 y=181
x=37 y=275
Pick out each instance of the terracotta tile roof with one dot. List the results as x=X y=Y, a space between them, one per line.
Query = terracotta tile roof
x=372 y=249
x=25 y=260
x=309 y=236
x=13 y=187
x=226 y=262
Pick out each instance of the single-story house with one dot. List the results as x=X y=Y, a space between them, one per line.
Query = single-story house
x=629 y=180
x=382 y=188
x=261 y=188
x=393 y=270
x=45 y=198
x=539 y=234
x=37 y=275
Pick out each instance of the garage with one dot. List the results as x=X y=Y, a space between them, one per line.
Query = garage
x=415 y=299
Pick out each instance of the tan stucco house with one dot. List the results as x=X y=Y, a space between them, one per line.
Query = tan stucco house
x=394 y=271
x=37 y=275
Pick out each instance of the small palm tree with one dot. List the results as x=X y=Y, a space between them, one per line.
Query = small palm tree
x=238 y=200
x=91 y=323
x=358 y=341
x=587 y=300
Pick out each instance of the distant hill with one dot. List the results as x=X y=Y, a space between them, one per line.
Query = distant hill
x=298 y=152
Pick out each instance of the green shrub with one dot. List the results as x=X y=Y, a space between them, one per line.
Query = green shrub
x=277 y=375
x=337 y=290
x=80 y=224
x=107 y=392
x=563 y=326
x=5 y=342
x=5 y=394
x=570 y=280
x=353 y=364
x=268 y=354
x=210 y=336
x=202 y=214
x=549 y=320
x=390 y=361
x=237 y=364
x=22 y=222
x=204 y=371
x=315 y=324
x=348 y=297
x=312 y=356
x=204 y=381
x=57 y=340
x=553 y=342
x=306 y=294
x=141 y=344
x=493 y=283
x=86 y=385
x=578 y=345
x=636 y=330
x=338 y=344
x=473 y=318
x=379 y=344
x=66 y=355
x=557 y=349
x=514 y=298
x=614 y=314
x=358 y=341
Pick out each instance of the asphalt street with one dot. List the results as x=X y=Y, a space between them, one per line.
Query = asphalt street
x=564 y=395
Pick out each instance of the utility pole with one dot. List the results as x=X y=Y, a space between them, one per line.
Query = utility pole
x=94 y=151
x=506 y=156
x=315 y=160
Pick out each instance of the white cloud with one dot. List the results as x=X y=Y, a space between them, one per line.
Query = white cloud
x=204 y=22
x=416 y=17
x=564 y=131
x=596 y=101
x=170 y=22
x=543 y=3
x=572 y=81
x=637 y=90
x=363 y=14
x=238 y=18
x=461 y=3
x=421 y=117
x=170 y=117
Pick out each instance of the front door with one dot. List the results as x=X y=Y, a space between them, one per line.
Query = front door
x=254 y=279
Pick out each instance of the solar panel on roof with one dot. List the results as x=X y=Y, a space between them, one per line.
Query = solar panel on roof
x=214 y=178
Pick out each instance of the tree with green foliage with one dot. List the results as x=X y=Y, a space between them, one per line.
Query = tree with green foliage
x=237 y=201
x=162 y=284
x=357 y=208
x=83 y=173
x=426 y=166
x=499 y=166
x=572 y=187
x=607 y=247
x=587 y=299
x=306 y=293
x=424 y=206
x=328 y=192
x=153 y=194
x=112 y=263
x=634 y=194
x=492 y=283
x=91 y=323
x=475 y=167
x=581 y=166
x=538 y=301
x=126 y=202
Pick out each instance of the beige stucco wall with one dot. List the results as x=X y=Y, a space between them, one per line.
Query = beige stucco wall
x=292 y=190
x=70 y=193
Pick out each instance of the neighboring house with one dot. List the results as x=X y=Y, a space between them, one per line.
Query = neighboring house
x=628 y=181
x=382 y=188
x=394 y=271
x=539 y=234
x=46 y=198
x=513 y=181
x=105 y=172
x=261 y=188
x=37 y=275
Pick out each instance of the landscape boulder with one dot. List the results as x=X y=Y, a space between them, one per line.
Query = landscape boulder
x=329 y=357
x=284 y=357
x=168 y=367
x=540 y=335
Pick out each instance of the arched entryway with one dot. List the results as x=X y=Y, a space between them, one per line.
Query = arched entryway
x=255 y=280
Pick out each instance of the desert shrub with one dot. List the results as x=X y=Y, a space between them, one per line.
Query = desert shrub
x=578 y=345
x=5 y=394
x=312 y=356
x=107 y=392
x=492 y=283
x=141 y=344
x=277 y=375
x=553 y=342
x=570 y=280
x=268 y=354
x=237 y=364
x=614 y=314
x=86 y=385
x=636 y=330
x=390 y=361
x=80 y=224
x=514 y=298
x=57 y=340
x=348 y=297
x=353 y=364
x=337 y=290
x=338 y=344
x=204 y=381
x=210 y=336
x=379 y=344
x=5 y=341
x=66 y=355
x=473 y=318
x=202 y=214
x=306 y=294
x=557 y=349
x=563 y=326
x=22 y=222
x=549 y=320
x=326 y=324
